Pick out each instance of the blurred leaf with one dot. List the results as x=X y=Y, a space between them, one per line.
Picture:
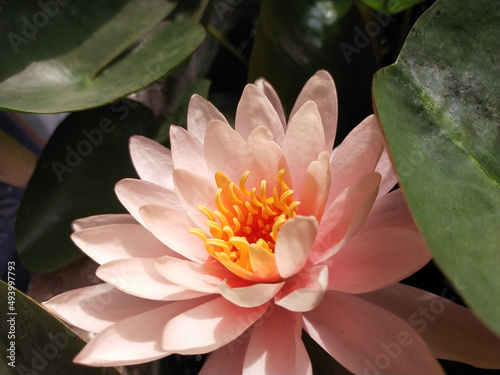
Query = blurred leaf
x=295 y=41
x=439 y=108
x=179 y=113
x=75 y=177
x=41 y=344
x=59 y=58
x=392 y=6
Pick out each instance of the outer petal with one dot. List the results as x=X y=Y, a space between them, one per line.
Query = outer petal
x=320 y=89
x=273 y=98
x=134 y=193
x=98 y=220
x=170 y=227
x=223 y=150
x=293 y=244
x=264 y=159
x=134 y=340
x=187 y=151
x=152 y=161
x=451 y=331
x=138 y=277
x=357 y=155
x=96 y=307
x=345 y=216
x=208 y=326
x=276 y=345
x=217 y=362
x=365 y=338
x=386 y=170
x=304 y=141
x=305 y=290
x=389 y=211
x=193 y=190
x=200 y=277
x=376 y=259
x=316 y=187
x=117 y=241
x=250 y=296
x=254 y=109
x=200 y=113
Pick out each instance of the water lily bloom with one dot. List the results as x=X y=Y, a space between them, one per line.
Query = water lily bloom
x=238 y=239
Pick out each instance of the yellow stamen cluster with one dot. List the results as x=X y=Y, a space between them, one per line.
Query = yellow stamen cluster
x=245 y=217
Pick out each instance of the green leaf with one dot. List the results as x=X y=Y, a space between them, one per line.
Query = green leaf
x=291 y=46
x=75 y=177
x=40 y=344
x=439 y=108
x=82 y=55
x=392 y=6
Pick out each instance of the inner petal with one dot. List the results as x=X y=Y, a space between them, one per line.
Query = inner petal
x=244 y=221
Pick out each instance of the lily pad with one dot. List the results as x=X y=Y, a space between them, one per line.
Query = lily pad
x=439 y=109
x=75 y=177
x=68 y=56
x=34 y=342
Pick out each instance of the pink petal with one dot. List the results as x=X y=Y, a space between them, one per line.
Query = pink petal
x=223 y=150
x=264 y=159
x=193 y=190
x=208 y=326
x=276 y=345
x=316 y=187
x=200 y=113
x=345 y=216
x=375 y=259
x=188 y=151
x=250 y=296
x=357 y=155
x=263 y=263
x=117 y=241
x=134 y=193
x=304 y=141
x=138 y=277
x=389 y=211
x=98 y=220
x=254 y=109
x=367 y=339
x=293 y=244
x=304 y=291
x=386 y=170
x=452 y=331
x=227 y=360
x=200 y=277
x=134 y=340
x=320 y=89
x=96 y=307
x=171 y=227
x=152 y=161
x=273 y=98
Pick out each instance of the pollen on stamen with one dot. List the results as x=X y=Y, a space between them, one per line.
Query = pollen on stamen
x=245 y=217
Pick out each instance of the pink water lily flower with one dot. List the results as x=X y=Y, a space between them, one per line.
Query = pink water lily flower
x=240 y=239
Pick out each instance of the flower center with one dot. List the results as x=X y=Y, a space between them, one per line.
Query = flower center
x=245 y=218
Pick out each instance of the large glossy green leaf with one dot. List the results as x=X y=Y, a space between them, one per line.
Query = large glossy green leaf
x=59 y=58
x=34 y=342
x=439 y=107
x=75 y=177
